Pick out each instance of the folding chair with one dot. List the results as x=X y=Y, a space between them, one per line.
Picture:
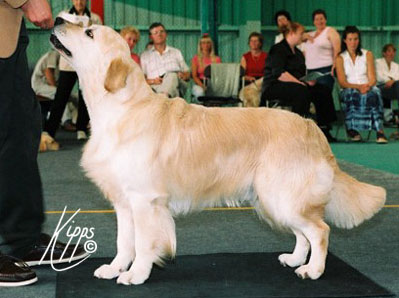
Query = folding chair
x=222 y=81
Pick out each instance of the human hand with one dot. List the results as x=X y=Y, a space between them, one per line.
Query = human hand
x=156 y=81
x=39 y=13
x=364 y=88
x=389 y=84
x=250 y=79
x=311 y=83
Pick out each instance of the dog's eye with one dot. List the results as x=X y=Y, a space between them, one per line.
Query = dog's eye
x=89 y=33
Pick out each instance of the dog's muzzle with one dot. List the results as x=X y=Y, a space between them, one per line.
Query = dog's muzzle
x=59 y=27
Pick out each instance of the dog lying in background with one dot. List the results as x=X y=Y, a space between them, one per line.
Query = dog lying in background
x=154 y=157
x=250 y=94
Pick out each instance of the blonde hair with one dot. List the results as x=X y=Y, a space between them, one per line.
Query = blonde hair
x=291 y=27
x=130 y=29
x=199 y=52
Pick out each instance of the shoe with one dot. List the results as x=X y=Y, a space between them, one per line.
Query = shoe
x=47 y=143
x=33 y=257
x=381 y=138
x=81 y=135
x=353 y=135
x=69 y=126
x=329 y=137
x=15 y=273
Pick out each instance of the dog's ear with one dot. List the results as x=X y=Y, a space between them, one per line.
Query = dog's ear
x=117 y=73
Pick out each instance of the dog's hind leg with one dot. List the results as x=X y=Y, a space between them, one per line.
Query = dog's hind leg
x=125 y=244
x=317 y=233
x=300 y=253
x=154 y=238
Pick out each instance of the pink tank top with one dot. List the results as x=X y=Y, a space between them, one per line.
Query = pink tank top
x=320 y=52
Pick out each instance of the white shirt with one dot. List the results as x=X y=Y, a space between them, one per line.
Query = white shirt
x=154 y=64
x=320 y=52
x=356 y=73
x=384 y=73
x=48 y=60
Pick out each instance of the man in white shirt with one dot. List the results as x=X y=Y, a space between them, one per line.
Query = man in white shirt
x=388 y=78
x=164 y=66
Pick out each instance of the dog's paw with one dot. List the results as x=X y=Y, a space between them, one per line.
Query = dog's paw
x=132 y=278
x=307 y=271
x=291 y=260
x=107 y=272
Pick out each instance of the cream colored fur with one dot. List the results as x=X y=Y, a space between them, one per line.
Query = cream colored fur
x=250 y=94
x=153 y=157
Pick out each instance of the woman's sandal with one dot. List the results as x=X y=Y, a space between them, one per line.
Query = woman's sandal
x=381 y=138
x=354 y=136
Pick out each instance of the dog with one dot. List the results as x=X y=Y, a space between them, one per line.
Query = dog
x=155 y=157
x=250 y=94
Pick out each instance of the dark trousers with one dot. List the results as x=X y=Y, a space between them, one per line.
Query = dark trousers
x=389 y=93
x=298 y=97
x=21 y=200
x=66 y=82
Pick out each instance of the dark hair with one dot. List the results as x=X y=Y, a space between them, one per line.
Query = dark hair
x=387 y=46
x=74 y=11
x=319 y=11
x=282 y=13
x=154 y=25
x=291 y=27
x=258 y=35
x=348 y=30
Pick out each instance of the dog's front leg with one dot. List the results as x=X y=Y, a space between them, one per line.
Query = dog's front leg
x=125 y=244
x=154 y=237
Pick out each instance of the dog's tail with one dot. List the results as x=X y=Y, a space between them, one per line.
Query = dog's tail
x=351 y=201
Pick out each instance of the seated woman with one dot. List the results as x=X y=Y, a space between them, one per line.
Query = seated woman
x=254 y=61
x=356 y=76
x=285 y=66
x=204 y=57
x=132 y=37
x=388 y=79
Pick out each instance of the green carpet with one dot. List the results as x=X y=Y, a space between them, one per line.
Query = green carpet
x=369 y=153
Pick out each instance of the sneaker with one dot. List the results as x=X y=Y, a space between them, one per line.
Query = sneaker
x=33 y=257
x=81 y=135
x=47 y=143
x=15 y=273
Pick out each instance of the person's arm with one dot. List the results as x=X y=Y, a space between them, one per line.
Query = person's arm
x=287 y=77
x=194 y=73
x=50 y=78
x=382 y=75
x=371 y=69
x=342 y=77
x=335 y=40
x=38 y=12
x=184 y=72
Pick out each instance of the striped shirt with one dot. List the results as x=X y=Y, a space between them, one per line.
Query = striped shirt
x=155 y=65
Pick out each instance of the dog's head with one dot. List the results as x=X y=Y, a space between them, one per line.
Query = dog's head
x=93 y=50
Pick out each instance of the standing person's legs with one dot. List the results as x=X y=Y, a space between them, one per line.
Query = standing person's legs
x=292 y=94
x=66 y=82
x=83 y=115
x=21 y=201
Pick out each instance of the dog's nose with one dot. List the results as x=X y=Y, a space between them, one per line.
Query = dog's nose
x=59 y=21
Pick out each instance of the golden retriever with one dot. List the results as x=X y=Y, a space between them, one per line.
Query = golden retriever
x=155 y=157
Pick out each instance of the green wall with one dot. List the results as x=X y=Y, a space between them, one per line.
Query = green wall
x=378 y=20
